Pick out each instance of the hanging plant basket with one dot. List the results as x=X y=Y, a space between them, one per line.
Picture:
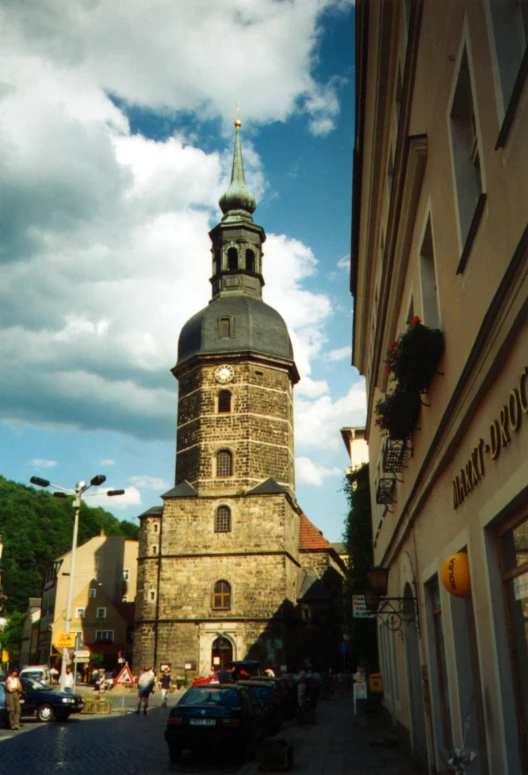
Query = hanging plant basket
x=413 y=357
x=398 y=412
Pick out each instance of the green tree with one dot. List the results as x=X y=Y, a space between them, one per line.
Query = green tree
x=36 y=529
x=358 y=540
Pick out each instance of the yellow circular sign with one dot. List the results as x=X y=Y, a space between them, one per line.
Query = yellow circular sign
x=455 y=575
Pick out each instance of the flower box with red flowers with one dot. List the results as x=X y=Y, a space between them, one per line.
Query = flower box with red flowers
x=413 y=358
x=397 y=413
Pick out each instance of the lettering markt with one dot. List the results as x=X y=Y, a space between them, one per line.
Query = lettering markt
x=500 y=434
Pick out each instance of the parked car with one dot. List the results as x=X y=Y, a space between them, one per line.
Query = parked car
x=223 y=717
x=38 y=673
x=267 y=697
x=41 y=701
x=286 y=695
x=250 y=667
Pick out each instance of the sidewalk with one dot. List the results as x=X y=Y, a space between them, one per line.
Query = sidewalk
x=340 y=744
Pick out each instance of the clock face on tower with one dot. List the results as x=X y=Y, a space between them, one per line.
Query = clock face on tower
x=224 y=374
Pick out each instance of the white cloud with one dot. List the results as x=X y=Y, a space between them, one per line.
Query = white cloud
x=344 y=262
x=38 y=462
x=341 y=354
x=148 y=483
x=105 y=246
x=308 y=472
x=107 y=462
x=131 y=497
x=317 y=422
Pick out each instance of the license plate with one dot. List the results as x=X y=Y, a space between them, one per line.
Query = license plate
x=202 y=722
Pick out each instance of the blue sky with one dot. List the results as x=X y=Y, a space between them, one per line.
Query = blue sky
x=116 y=138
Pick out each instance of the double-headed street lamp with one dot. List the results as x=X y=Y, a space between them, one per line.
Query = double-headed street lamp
x=80 y=489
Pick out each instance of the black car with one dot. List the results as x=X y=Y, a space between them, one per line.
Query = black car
x=267 y=697
x=222 y=717
x=41 y=701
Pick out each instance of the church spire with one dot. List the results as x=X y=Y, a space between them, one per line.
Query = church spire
x=237 y=196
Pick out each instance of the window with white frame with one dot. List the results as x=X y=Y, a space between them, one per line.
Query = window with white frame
x=101 y=613
x=510 y=30
x=126 y=574
x=93 y=592
x=79 y=613
x=124 y=599
x=431 y=312
x=104 y=636
x=465 y=149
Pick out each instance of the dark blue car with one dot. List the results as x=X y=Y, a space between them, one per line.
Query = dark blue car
x=41 y=701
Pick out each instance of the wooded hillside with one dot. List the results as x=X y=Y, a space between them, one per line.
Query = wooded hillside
x=36 y=528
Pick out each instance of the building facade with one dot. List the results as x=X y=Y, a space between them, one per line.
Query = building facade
x=110 y=562
x=440 y=233
x=220 y=572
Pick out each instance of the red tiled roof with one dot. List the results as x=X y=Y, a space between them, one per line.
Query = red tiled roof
x=311 y=538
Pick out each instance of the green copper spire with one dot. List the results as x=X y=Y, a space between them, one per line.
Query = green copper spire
x=237 y=196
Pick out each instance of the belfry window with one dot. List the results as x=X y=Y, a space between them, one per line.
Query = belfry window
x=224 y=463
x=223 y=520
x=250 y=261
x=222 y=596
x=232 y=259
x=224 y=402
x=224 y=325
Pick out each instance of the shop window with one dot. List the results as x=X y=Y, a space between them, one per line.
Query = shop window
x=222 y=596
x=439 y=666
x=223 y=519
x=224 y=464
x=513 y=556
x=224 y=402
x=232 y=259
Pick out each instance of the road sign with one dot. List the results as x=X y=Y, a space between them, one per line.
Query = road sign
x=125 y=676
x=359 y=608
x=83 y=655
x=65 y=640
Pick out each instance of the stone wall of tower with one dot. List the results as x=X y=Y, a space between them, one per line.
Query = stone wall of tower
x=258 y=430
x=181 y=557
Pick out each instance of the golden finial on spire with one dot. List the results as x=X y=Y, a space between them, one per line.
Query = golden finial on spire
x=238 y=122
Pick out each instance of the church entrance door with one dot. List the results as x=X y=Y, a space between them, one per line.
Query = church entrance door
x=222 y=652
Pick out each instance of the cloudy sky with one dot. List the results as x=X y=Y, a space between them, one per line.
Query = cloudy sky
x=116 y=138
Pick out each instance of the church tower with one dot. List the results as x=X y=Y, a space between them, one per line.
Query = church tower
x=219 y=562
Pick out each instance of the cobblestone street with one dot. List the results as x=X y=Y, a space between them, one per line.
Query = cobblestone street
x=337 y=744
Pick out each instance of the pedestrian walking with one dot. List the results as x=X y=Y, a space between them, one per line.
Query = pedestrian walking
x=69 y=680
x=146 y=682
x=166 y=681
x=13 y=691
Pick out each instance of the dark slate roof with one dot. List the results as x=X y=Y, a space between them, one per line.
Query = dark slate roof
x=312 y=588
x=267 y=487
x=256 y=327
x=340 y=547
x=155 y=511
x=182 y=490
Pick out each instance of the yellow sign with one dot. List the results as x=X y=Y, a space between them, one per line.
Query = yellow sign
x=65 y=640
x=5 y=655
x=376 y=682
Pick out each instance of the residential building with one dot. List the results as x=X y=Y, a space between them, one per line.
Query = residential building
x=110 y=561
x=440 y=233
x=229 y=566
x=356 y=446
x=30 y=631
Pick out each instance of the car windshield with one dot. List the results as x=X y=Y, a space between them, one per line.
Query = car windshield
x=262 y=692
x=206 y=696
x=34 y=684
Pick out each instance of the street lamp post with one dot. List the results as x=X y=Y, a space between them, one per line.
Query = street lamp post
x=80 y=489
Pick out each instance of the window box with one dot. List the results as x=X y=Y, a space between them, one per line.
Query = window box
x=413 y=357
x=398 y=412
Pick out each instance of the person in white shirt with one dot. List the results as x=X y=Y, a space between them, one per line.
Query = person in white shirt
x=69 y=679
x=13 y=690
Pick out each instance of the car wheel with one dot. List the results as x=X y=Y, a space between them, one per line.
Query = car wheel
x=45 y=713
x=175 y=753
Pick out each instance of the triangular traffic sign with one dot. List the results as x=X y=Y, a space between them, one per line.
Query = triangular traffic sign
x=125 y=676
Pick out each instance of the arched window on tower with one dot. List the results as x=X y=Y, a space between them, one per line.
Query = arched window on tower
x=224 y=402
x=222 y=596
x=223 y=520
x=250 y=261
x=232 y=259
x=224 y=328
x=224 y=464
